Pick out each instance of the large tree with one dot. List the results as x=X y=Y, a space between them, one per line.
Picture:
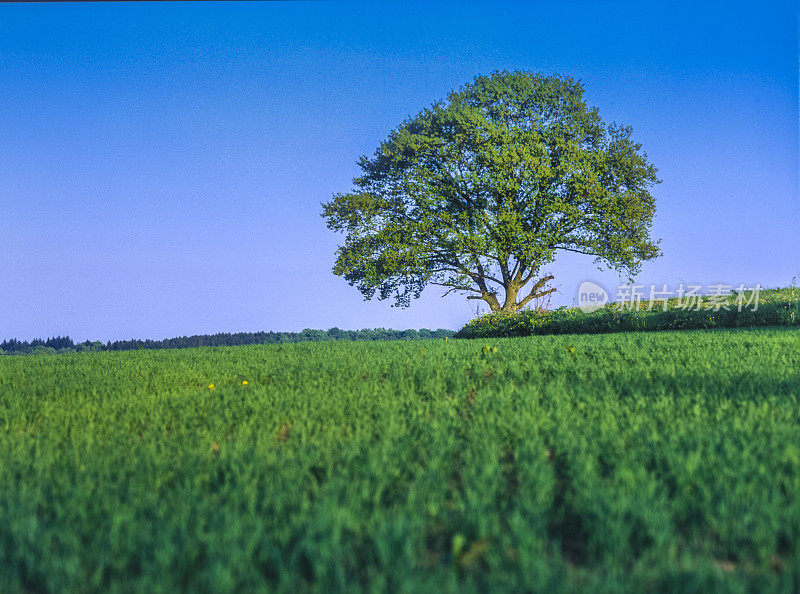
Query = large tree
x=478 y=192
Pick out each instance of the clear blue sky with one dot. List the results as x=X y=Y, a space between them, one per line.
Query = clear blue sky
x=162 y=165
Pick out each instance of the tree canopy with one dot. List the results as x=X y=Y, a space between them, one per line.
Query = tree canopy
x=478 y=192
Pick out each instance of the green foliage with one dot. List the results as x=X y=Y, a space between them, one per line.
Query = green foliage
x=626 y=462
x=481 y=190
x=777 y=307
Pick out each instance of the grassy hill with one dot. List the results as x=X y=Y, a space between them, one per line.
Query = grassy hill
x=776 y=307
x=662 y=461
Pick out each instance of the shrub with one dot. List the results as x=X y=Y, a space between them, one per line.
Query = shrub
x=777 y=307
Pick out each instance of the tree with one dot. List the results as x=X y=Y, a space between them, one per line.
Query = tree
x=480 y=191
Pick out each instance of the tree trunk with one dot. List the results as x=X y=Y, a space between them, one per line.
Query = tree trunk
x=512 y=288
x=510 y=305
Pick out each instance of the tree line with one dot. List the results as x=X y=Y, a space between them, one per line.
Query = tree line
x=60 y=344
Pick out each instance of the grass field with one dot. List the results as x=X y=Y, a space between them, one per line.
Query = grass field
x=662 y=461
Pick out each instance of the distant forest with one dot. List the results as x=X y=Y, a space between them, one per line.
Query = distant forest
x=64 y=344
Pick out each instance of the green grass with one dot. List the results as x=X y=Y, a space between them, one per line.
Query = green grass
x=776 y=307
x=619 y=462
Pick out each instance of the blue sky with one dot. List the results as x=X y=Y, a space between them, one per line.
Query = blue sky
x=162 y=165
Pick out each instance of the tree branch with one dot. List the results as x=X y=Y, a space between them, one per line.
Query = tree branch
x=575 y=250
x=533 y=269
x=456 y=287
x=533 y=294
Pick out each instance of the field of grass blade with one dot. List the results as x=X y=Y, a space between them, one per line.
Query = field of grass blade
x=665 y=461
